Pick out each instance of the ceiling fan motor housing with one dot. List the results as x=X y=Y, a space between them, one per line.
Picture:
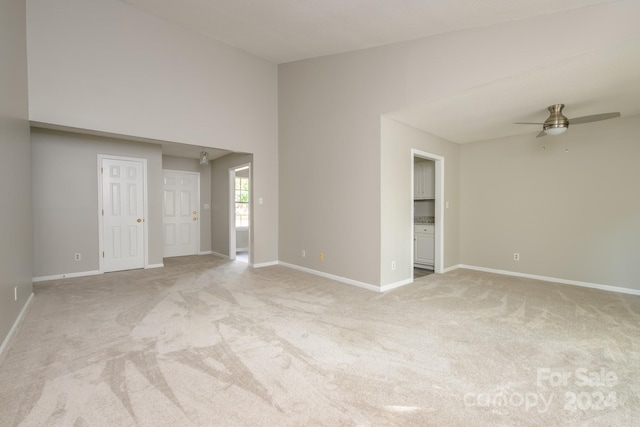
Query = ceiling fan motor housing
x=556 y=118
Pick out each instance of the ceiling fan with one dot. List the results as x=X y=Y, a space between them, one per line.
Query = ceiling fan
x=557 y=123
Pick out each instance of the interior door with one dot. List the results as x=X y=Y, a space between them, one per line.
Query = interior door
x=181 y=225
x=123 y=214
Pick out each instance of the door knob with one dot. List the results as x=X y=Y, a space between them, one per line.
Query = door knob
x=194 y=212
x=194 y=218
x=138 y=220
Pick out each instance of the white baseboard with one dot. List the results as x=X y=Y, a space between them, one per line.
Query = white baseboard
x=66 y=276
x=81 y=274
x=334 y=277
x=155 y=265
x=220 y=255
x=265 y=264
x=425 y=266
x=205 y=253
x=451 y=268
x=554 y=279
x=14 y=328
x=395 y=285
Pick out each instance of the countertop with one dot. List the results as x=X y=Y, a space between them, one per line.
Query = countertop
x=423 y=220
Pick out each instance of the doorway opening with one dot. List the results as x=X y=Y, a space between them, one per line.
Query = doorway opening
x=239 y=213
x=427 y=213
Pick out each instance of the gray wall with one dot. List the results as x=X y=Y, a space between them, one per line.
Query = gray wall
x=65 y=198
x=333 y=168
x=397 y=199
x=220 y=203
x=242 y=240
x=106 y=66
x=193 y=165
x=15 y=164
x=309 y=124
x=330 y=162
x=571 y=210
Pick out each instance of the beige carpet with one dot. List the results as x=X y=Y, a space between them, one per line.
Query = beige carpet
x=206 y=341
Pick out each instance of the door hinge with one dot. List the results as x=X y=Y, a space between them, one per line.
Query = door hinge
x=102 y=170
x=102 y=212
x=102 y=254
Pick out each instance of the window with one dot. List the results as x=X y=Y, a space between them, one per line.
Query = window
x=242 y=201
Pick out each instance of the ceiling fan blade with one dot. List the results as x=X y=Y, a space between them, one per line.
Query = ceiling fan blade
x=594 y=118
x=542 y=133
x=527 y=123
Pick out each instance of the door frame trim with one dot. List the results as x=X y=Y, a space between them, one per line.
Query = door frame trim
x=232 y=210
x=198 y=251
x=438 y=261
x=145 y=222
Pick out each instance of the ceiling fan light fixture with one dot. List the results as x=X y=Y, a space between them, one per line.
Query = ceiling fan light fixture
x=555 y=130
x=204 y=158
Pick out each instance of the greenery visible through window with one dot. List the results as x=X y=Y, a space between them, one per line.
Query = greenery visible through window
x=242 y=201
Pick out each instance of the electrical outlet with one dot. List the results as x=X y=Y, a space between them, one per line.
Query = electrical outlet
x=78 y=257
x=393 y=265
x=516 y=256
x=304 y=253
x=321 y=256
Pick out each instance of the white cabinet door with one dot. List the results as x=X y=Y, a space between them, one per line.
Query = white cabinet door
x=418 y=180
x=424 y=248
x=429 y=174
x=424 y=180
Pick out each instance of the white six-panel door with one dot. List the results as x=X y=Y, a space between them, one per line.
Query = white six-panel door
x=180 y=213
x=122 y=214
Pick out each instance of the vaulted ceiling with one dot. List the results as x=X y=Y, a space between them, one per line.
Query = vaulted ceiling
x=288 y=30
x=281 y=31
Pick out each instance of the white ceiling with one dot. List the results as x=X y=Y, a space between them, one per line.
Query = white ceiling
x=287 y=30
x=190 y=151
x=603 y=81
